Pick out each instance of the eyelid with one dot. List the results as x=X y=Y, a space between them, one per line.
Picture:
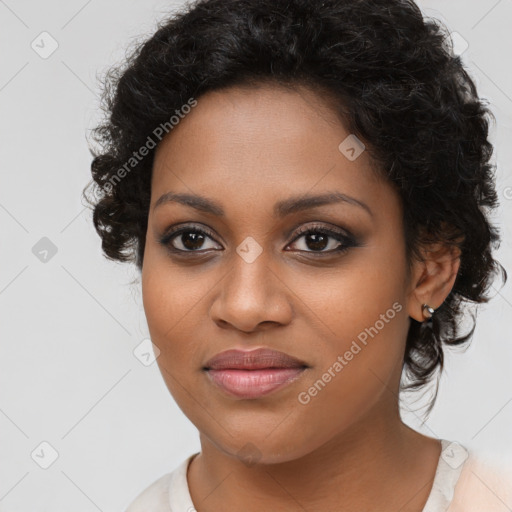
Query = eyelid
x=183 y=227
x=340 y=234
x=320 y=226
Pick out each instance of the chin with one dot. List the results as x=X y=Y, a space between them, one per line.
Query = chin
x=252 y=451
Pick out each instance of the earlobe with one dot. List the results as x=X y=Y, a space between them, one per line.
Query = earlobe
x=428 y=311
x=433 y=280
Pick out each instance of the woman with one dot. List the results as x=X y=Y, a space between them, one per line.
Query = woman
x=305 y=188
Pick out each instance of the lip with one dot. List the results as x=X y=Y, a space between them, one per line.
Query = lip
x=255 y=373
x=257 y=359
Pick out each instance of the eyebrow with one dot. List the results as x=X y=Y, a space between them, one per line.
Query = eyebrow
x=281 y=209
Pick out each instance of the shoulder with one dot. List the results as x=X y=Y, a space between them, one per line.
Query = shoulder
x=483 y=485
x=155 y=497
x=171 y=488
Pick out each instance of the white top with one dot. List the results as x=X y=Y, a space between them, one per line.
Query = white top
x=462 y=483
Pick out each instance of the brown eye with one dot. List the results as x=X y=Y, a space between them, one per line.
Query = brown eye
x=318 y=239
x=186 y=239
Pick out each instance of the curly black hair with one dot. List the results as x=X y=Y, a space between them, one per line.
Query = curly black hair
x=394 y=80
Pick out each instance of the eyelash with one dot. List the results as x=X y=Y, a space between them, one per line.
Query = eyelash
x=347 y=241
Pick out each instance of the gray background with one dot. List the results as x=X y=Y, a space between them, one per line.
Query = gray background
x=69 y=326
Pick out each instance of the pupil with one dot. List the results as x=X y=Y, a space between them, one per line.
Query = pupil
x=316 y=244
x=189 y=240
x=192 y=240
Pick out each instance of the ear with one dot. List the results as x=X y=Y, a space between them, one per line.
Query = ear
x=432 y=279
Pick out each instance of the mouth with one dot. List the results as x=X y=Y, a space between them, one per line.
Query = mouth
x=258 y=359
x=253 y=374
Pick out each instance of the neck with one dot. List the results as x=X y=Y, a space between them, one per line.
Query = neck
x=378 y=463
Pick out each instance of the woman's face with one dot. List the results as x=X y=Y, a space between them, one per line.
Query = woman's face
x=254 y=281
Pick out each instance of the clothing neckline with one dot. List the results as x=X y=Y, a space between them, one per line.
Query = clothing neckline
x=449 y=467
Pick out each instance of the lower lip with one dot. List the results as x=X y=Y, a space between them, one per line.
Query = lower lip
x=253 y=383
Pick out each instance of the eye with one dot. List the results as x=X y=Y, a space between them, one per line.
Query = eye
x=318 y=238
x=186 y=239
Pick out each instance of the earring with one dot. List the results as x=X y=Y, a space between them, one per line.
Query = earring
x=427 y=309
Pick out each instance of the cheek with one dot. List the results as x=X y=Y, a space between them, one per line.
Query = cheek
x=168 y=291
x=367 y=288
x=170 y=307
x=166 y=301
x=160 y=299
x=360 y=360
x=175 y=305
x=362 y=312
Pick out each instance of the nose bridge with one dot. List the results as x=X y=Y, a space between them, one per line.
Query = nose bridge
x=251 y=292
x=249 y=274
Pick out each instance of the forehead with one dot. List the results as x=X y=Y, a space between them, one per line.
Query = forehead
x=261 y=143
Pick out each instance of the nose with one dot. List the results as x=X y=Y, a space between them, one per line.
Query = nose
x=252 y=297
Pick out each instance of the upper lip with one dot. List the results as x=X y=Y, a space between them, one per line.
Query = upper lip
x=252 y=360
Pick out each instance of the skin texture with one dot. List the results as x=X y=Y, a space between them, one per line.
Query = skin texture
x=248 y=149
